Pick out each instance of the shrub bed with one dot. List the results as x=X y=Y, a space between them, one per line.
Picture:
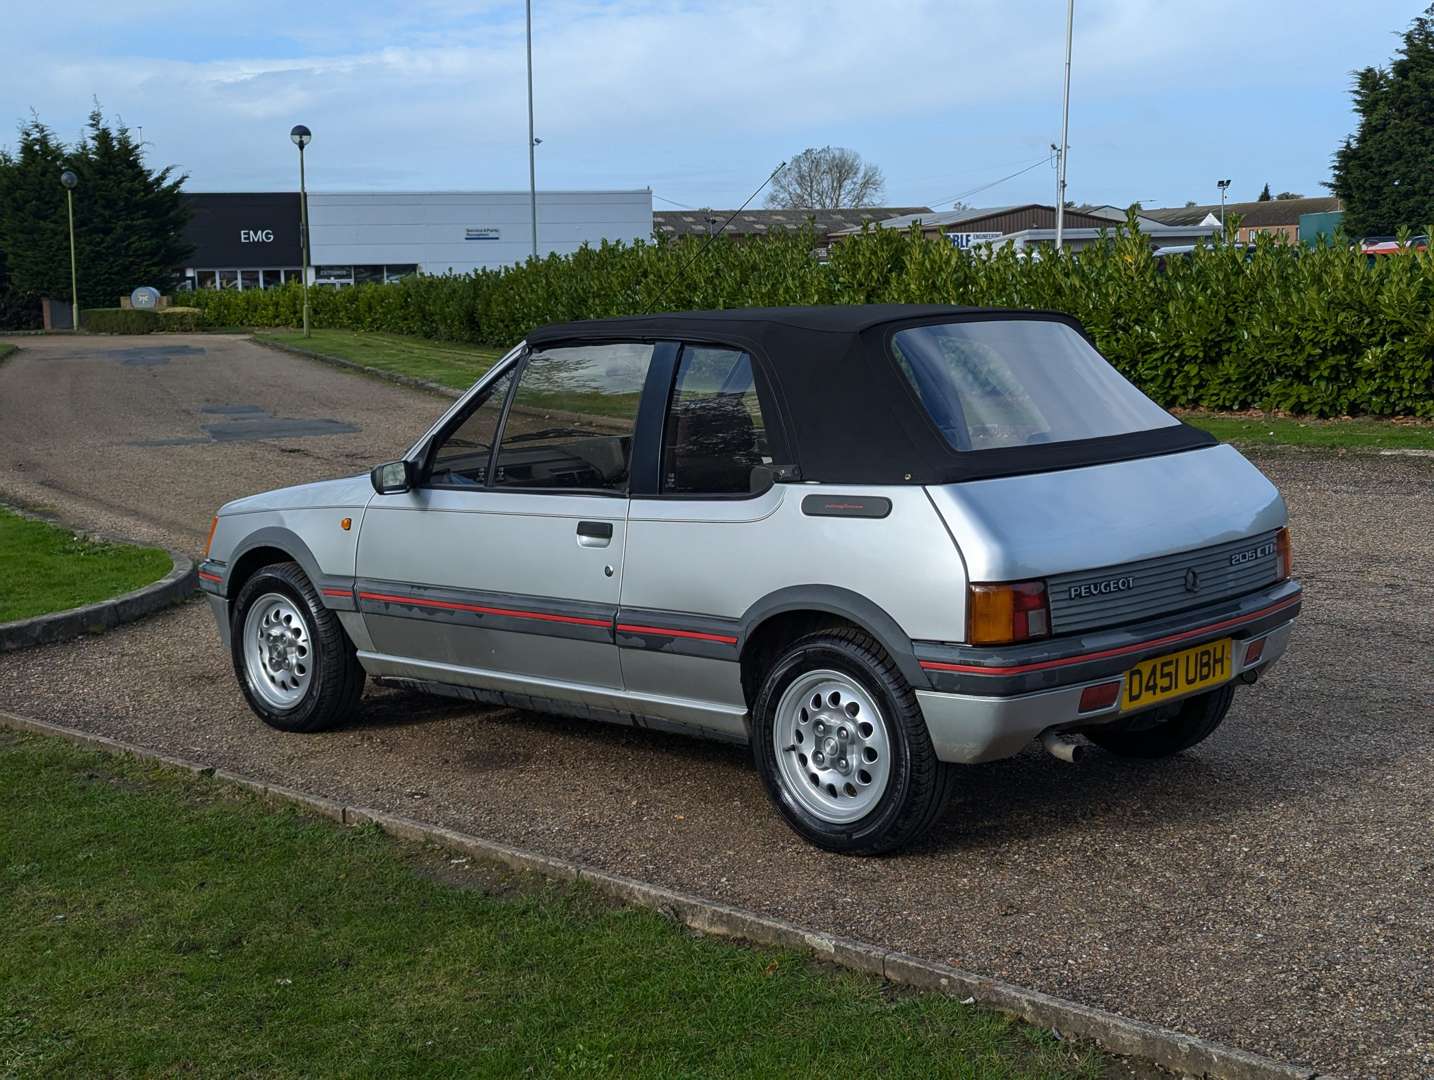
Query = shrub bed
x=1318 y=332
x=119 y=320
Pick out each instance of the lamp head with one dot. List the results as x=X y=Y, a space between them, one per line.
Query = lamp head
x=301 y=135
x=69 y=179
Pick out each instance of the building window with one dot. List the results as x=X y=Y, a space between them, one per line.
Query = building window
x=368 y=275
x=248 y=279
x=333 y=275
x=208 y=279
x=398 y=273
x=229 y=279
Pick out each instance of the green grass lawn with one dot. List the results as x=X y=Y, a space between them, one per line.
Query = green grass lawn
x=158 y=924
x=7 y=350
x=444 y=362
x=1362 y=434
x=45 y=568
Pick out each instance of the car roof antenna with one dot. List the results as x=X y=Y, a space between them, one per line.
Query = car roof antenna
x=710 y=237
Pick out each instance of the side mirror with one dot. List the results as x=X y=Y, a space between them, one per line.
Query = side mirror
x=393 y=478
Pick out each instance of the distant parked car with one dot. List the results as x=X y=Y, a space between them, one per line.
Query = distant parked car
x=1379 y=246
x=873 y=543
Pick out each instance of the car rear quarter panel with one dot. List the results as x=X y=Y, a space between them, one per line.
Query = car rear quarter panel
x=1022 y=527
x=720 y=557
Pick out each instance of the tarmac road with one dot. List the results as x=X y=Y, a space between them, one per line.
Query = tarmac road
x=1269 y=889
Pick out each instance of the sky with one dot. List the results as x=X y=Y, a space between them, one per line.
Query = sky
x=700 y=99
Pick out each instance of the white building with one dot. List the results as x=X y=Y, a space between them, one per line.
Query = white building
x=253 y=240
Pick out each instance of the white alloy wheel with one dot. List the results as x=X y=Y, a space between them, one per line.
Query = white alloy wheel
x=278 y=650
x=832 y=746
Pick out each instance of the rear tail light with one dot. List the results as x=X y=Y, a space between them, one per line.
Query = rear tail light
x=1285 y=552
x=209 y=540
x=1003 y=614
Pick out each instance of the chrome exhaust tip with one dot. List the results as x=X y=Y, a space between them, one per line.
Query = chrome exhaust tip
x=1062 y=746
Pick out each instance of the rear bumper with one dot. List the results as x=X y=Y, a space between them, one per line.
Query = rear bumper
x=997 y=710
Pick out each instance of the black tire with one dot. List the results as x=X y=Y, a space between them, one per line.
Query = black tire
x=1194 y=722
x=918 y=785
x=335 y=679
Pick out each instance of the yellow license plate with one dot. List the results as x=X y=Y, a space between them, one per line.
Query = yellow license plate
x=1169 y=676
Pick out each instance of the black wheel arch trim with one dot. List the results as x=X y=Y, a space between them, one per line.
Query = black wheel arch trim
x=848 y=605
x=336 y=590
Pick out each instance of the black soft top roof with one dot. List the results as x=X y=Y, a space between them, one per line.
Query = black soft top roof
x=831 y=319
x=851 y=415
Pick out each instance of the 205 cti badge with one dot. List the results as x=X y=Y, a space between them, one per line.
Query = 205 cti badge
x=873 y=543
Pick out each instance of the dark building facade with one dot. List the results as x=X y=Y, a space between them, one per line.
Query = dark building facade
x=243 y=240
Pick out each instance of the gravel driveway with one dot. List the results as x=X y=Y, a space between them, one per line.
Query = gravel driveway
x=1270 y=889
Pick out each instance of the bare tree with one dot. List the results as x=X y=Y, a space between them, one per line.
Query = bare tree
x=828 y=178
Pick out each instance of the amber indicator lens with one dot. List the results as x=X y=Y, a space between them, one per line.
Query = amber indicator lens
x=209 y=540
x=346 y=524
x=1285 y=550
x=1003 y=614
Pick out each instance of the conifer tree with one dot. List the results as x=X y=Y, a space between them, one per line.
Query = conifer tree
x=129 y=220
x=1384 y=172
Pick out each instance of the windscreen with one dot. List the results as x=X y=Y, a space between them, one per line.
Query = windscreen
x=1019 y=382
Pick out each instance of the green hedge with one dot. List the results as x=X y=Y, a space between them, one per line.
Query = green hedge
x=1315 y=331
x=119 y=320
x=181 y=320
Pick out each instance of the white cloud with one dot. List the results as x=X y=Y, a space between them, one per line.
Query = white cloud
x=431 y=94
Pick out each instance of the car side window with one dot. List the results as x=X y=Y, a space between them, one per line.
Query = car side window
x=460 y=458
x=571 y=423
x=714 y=439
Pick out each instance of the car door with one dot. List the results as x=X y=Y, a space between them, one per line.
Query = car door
x=695 y=545
x=502 y=565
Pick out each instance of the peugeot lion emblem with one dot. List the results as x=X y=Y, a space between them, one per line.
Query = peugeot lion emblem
x=1192 y=581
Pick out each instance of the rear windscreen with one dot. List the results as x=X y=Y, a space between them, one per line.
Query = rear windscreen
x=1019 y=382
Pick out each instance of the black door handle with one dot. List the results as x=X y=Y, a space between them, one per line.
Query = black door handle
x=595 y=530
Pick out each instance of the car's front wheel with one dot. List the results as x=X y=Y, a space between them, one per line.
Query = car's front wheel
x=297 y=667
x=842 y=747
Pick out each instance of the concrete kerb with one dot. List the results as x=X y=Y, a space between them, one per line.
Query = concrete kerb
x=1185 y=1054
x=174 y=587
x=362 y=369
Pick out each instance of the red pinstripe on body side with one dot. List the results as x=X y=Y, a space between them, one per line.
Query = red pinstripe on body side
x=1065 y=661
x=451 y=605
x=696 y=635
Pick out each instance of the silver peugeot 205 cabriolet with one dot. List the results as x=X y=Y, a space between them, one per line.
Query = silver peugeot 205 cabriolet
x=872 y=542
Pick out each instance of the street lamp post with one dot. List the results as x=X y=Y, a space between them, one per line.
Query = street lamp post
x=1224 y=186
x=532 y=142
x=301 y=137
x=1065 y=134
x=69 y=179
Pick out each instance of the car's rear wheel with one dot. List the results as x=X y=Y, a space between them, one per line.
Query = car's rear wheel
x=842 y=747
x=295 y=664
x=1193 y=721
